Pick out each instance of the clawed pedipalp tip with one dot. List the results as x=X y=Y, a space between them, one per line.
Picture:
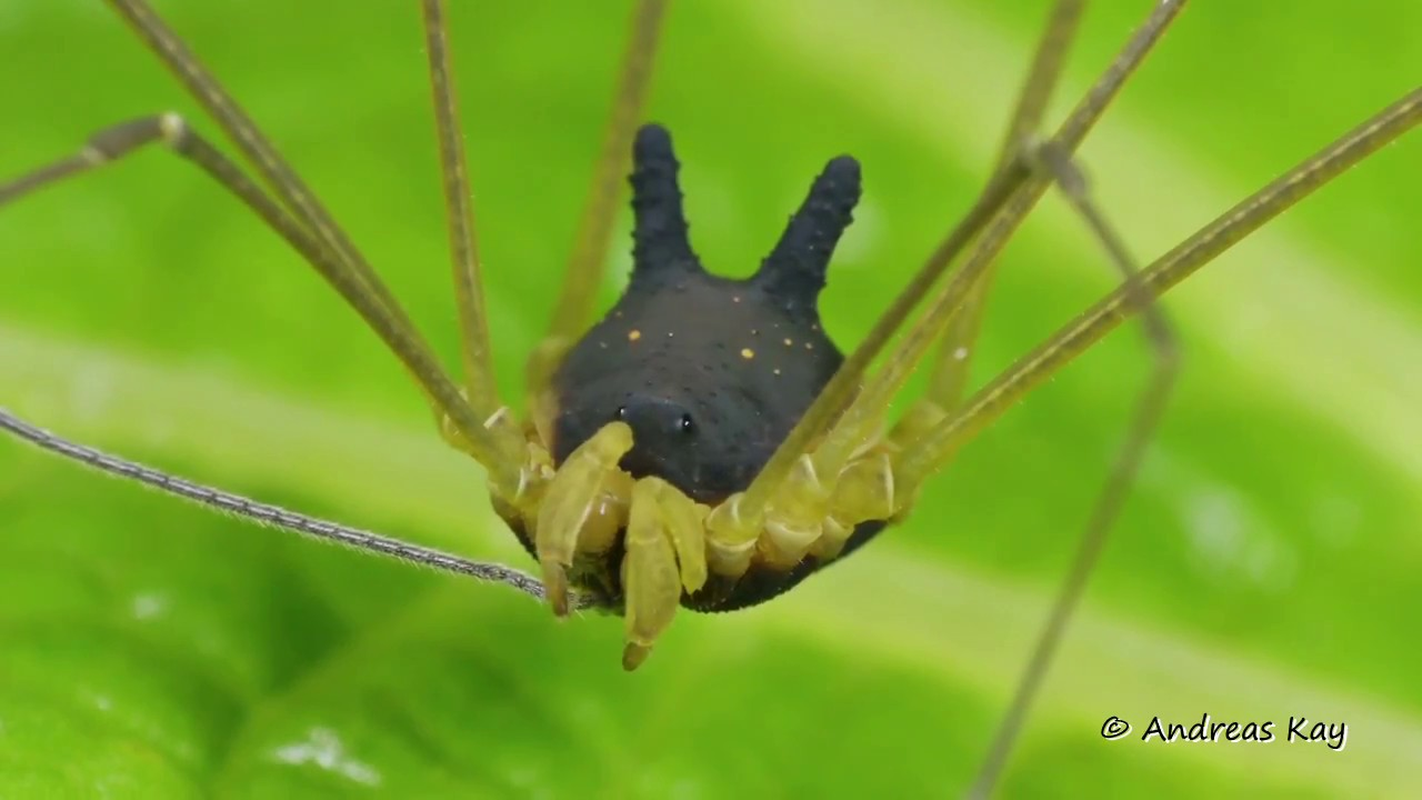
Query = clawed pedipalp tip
x=555 y=586
x=633 y=655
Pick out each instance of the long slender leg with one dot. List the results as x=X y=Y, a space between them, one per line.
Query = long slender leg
x=249 y=140
x=738 y=521
x=869 y=407
x=742 y=518
x=479 y=384
x=291 y=191
x=265 y=514
x=937 y=446
x=1149 y=407
x=948 y=380
x=1135 y=296
x=576 y=298
x=173 y=132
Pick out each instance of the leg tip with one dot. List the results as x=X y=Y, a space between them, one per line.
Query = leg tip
x=634 y=654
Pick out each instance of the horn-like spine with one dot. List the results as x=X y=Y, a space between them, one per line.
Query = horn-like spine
x=794 y=272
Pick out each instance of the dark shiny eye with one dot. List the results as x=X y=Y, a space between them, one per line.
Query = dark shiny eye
x=621 y=413
x=686 y=424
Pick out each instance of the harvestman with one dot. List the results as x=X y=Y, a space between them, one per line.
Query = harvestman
x=640 y=520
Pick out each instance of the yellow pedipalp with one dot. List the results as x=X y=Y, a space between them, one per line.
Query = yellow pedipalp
x=651 y=580
x=685 y=522
x=572 y=497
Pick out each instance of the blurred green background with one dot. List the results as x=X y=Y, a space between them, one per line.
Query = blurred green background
x=1266 y=566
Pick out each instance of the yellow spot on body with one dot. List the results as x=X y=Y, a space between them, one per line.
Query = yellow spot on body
x=670 y=334
x=776 y=371
x=788 y=342
x=735 y=298
x=633 y=335
x=809 y=346
x=602 y=345
x=746 y=352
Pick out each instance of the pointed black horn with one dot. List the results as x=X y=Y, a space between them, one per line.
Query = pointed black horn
x=794 y=272
x=659 y=236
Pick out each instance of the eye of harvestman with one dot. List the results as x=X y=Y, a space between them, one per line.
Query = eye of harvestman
x=687 y=425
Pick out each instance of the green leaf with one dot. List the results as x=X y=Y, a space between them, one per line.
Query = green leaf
x=1266 y=566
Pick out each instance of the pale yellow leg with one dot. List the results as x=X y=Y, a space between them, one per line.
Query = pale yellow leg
x=730 y=541
x=813 y=514
x=865 y=491
x=796 y=517
x=788 y=528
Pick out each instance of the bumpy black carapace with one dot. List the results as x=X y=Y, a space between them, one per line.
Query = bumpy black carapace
x=711 y=373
